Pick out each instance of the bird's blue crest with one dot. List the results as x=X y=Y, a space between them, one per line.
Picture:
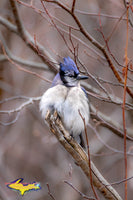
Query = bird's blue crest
x=68 y=65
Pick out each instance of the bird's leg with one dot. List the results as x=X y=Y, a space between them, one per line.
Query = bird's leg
x=79 y=139
x=82 y=143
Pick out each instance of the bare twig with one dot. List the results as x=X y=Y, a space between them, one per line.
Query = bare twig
x=108 y=38
x=19 y=108
x=112 y=83
x=101 y=15
x=128 y=4
x=115 y=26
x=121 y=181
x=80 y=193
x=49 y=192
x=73 y=6
x=12 y=122
x=89 y=159
x=29 y=100
x=14 y=98
x=124 y=101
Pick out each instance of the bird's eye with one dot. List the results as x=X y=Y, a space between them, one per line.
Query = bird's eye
x=66 y=73
x=71 y=75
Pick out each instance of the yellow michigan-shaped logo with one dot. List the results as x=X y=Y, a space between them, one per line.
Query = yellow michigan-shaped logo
x=17 y=185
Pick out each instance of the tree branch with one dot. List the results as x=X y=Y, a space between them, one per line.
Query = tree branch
x=18 y=21
x=80 y=157
x=19 y=108
x=8 y=25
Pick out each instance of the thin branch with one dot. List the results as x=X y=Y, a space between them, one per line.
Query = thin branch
x=14 y=98
x=89 y=159
x=97 y=15
x=115 y=26
x=49 y=192
x=29 y=100
x=112 y=83
x=80 y=193
x=122 y=181
x=12 y=122
x=19 y=108
x=108 y=38
x=98 y=83
x=123 y=107
x=73 y=6
x=128 y=4
x=17 y=18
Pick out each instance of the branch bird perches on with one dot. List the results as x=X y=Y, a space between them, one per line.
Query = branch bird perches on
x=80 y=156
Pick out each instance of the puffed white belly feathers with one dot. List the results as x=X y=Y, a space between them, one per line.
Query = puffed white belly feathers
x=69 y=102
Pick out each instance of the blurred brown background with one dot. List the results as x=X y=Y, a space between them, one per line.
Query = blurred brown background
x=27 y=148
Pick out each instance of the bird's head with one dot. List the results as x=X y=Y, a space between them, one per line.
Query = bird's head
x=69 y=73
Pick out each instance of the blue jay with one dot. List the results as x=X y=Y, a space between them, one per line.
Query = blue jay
x=68 y=98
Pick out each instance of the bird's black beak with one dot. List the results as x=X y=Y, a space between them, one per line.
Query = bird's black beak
x=80 y=77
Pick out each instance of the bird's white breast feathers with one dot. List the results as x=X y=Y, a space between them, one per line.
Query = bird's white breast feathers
x=68 y=102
